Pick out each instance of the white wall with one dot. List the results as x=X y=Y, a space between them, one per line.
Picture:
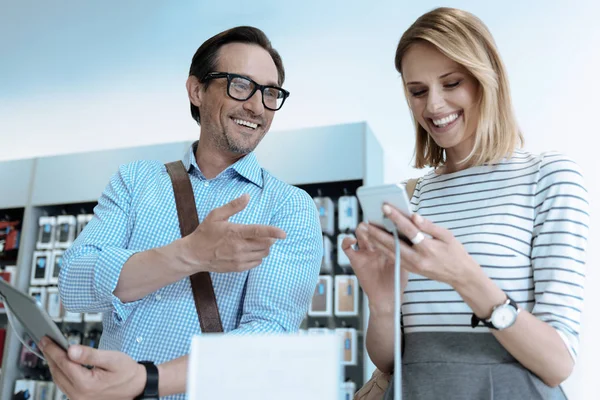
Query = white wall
x=77 y=76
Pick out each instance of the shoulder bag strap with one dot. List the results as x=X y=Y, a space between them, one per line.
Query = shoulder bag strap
x=202 y=288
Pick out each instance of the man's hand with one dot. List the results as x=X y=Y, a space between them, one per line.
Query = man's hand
x=115 y=375
x=218 y=245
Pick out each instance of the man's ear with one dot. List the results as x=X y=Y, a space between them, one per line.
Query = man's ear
x=194 y=89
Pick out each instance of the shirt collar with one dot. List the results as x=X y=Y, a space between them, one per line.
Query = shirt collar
x=247 y=166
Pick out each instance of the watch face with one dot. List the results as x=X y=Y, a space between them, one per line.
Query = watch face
x=504 y=316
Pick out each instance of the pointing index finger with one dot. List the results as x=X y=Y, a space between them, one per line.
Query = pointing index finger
x=261 y=231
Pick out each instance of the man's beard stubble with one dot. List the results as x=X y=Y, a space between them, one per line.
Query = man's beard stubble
x=226 y=142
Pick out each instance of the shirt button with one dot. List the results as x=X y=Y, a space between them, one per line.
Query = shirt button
x=157 y=297
x=139 y=339
x=206 y=183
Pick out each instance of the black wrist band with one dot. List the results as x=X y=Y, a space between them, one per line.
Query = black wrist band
x=151 y=389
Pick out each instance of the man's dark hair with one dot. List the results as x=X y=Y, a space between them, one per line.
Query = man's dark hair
x=205 y=59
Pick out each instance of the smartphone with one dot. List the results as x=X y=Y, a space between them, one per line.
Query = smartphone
x=372 y=199
x=348 y=338
x=346 y=295
x=321 y=300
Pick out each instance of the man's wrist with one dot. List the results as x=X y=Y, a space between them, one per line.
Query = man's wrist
x=140 y=380
x=150 y=389
x=186 y=263
x=173 y=376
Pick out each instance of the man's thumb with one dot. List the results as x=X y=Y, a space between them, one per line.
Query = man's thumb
x=85 y=355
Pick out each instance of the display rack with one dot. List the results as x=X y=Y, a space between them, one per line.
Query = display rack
x=337 y=300
x=328 y=162
x=10 y=235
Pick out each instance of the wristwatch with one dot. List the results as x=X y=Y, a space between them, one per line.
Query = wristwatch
x=503 y=316
x=151 y=389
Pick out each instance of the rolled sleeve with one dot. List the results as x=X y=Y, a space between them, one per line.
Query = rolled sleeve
x=93 y=264
x=558 y=249
x=107 y=277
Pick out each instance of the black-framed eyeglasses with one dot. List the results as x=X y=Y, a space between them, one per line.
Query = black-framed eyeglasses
x=241 y=88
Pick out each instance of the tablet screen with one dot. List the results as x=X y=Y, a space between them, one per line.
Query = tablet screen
x=30 y=316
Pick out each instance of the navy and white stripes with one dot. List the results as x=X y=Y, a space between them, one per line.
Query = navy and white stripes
x=525 y=221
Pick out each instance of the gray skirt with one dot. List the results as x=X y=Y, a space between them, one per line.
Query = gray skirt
x=457 y=365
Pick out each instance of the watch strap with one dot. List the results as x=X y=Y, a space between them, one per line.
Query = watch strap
x=475 y=321
x=151 y=389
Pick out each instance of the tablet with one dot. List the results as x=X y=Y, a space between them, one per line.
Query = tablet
x=372 y=199
x=35 y=320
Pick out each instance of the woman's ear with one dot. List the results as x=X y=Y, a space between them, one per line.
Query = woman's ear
x=194 y=89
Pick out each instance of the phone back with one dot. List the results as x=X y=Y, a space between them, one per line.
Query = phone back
x=372 y=199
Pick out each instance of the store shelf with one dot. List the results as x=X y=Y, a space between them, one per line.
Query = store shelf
x=77 y=178
x=15 y=181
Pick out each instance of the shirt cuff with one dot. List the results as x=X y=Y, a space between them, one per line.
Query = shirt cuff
x=108 y=271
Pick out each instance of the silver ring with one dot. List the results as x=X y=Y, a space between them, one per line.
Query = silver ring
x=419 y=237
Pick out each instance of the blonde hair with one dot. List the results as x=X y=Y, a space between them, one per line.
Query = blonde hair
x=465 y=39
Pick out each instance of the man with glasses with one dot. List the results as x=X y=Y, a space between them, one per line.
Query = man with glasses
x=259 y=238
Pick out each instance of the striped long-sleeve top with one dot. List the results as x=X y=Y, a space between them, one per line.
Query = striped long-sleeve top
x=525 y=221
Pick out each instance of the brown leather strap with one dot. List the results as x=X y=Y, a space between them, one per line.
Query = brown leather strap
x=202 y=288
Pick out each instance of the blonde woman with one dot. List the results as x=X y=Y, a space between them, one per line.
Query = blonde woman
x=493 y=283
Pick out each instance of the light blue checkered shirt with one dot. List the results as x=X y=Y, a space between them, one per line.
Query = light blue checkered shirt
x=137 y=212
